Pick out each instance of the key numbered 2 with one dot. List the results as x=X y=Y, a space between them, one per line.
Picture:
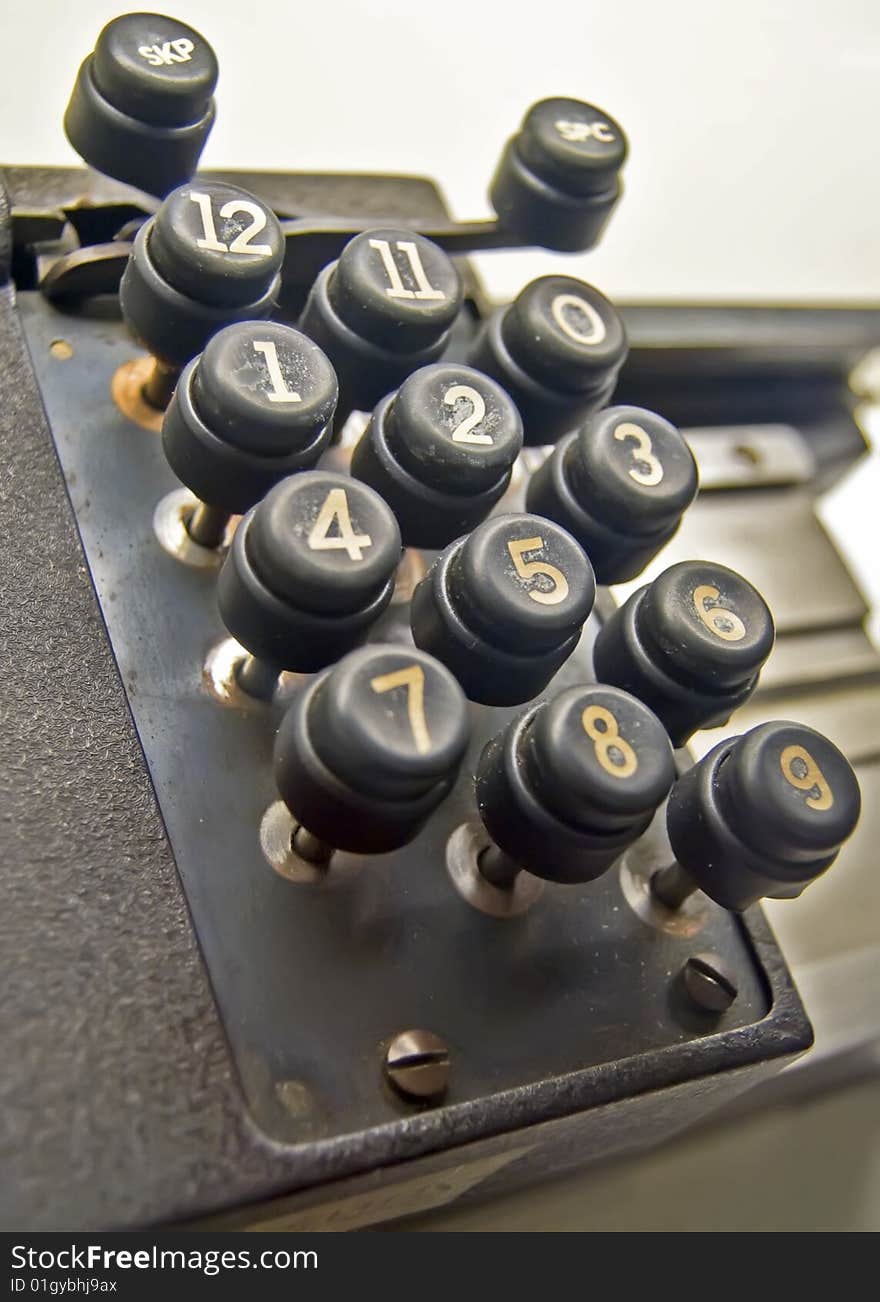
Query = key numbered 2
x=440 y=451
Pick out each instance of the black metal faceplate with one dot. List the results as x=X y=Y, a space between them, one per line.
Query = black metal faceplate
x=119 y=1103
x=312 y=978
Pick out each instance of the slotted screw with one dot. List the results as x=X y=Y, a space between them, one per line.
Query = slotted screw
x=709 y=982
x=417 y=1064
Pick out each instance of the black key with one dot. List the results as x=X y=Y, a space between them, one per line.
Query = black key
x=254 y=407
x=690 y=645
x=570 y=784
x=762 y=814
x=620 y=485
x=557 y=349
x=370 y=748
x=310 y=569
x=504 y=607
x=440 y=451
x=143 y=106
x=216 y=244
x=559 y=178
x=211 y=256
x=381 y=311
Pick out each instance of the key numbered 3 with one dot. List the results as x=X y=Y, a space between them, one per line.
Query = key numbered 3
x=620 y=484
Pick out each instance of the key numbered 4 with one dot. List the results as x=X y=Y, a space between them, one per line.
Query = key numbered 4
x=311 y=568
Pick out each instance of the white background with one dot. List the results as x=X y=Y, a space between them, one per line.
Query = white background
x=753 y=126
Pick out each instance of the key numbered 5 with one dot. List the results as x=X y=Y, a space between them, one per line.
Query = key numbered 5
x=504 y=607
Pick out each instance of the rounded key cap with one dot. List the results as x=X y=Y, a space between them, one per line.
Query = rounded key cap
x=325 y=541
x=217 y=243
x=707 y=623
x=440 y=451
x=142 y=106
x=599 y=758
x=573 y=145
x=371 y=747
x=763 y=814
x=265 y=388
x=396 y=289
x=210 y=257
x=155 y=69
x=254 y=407
x=620 y=484
x=391 y=721
x=558 y=179
x=310 y=569
x=570 y=784
x=564 y=333
x=504 y=607
x=557 y=349
x=381 y=311
x=524 y=582
x=690 y=645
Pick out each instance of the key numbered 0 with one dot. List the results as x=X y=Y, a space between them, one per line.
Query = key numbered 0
x=578 y=320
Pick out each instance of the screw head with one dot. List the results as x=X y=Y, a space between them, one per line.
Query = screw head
x=710 y=982
x=417 y=1065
